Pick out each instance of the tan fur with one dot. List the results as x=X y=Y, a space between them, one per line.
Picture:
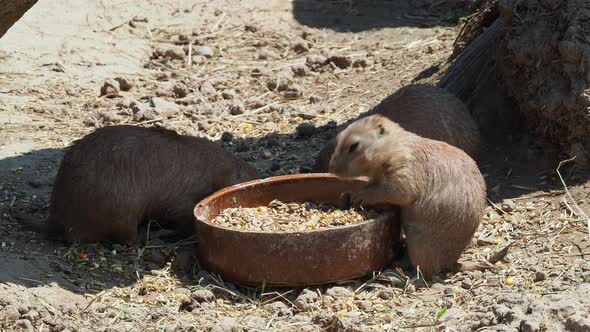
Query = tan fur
x=439 y=188
x=424 y=110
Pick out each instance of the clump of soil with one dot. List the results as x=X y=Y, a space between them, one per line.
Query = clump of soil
x=291 y=216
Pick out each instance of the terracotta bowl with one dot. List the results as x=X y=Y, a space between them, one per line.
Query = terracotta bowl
x=294 y=258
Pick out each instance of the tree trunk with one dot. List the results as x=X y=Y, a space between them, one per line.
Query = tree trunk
x=11 y=11
x=530 y=67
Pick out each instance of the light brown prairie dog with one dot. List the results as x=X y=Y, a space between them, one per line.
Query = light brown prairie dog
x=425 y=110
x=439 y=188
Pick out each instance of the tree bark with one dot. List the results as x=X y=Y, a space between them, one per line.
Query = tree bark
x=11 y=11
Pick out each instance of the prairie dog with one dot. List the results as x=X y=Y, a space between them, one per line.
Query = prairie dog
x=117 y=177
x=439 y=188
x=424 y=110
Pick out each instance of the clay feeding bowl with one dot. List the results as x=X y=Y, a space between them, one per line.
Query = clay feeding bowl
x=292 y=258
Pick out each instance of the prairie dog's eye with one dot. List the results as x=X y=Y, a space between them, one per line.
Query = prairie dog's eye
x=353 y=147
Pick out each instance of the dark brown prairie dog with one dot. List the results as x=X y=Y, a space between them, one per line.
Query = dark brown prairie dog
x=424 y=110
x=117 y=177
x=439 y=188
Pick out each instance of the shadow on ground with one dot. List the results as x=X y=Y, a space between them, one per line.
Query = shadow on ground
x=356 y=16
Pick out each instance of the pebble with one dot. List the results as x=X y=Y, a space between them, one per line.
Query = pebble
x=306 y=300
x=25 y=324
x=267 y=54
x=294 y=91
x=365 y=305
x=109 y=87
x=203 y=295
x=280 y=84
x=227 y=136
x=163 y=107
x=508 y=205
x=111 y=117
x=316 y=60
x=236 y=108
x=225 y=324
x=577 y=323
x=314 y=99
x=250 y=28
x=466 y=284
x=180 y=90
x=137 y=106
x=228 y=94
x=35 y=184
x=156 y=257
x=175 y=53
x=198 y=59
x=386 y=294
x=364 y=62
x=337 y=292
x=124 y=83
x=301 y=46
x=530 y=325
x=539 y=276
x=341 y=61
x=204 y=51
x=299 y=70
x=275 y=166
x=266 y=154
x=305 y=129
x=279 y=308
x=184 y=37
x=209 y=91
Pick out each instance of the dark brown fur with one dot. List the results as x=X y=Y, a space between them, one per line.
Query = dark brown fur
x=115 y=178
x=424 y=110
x=439 y=188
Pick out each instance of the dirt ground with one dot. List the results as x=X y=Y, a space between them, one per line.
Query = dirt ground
x=257 y=70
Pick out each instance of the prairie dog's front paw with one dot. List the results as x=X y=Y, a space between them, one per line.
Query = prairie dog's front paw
x=358 y=199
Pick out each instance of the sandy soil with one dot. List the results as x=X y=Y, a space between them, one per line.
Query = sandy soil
x=255 y=74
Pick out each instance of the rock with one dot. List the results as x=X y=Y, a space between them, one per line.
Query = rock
x=111 y=117
x=279 y=84
x=184 y=259
x=275 y=166
x=227 y=136
x=279 y=308
x=266 y=154
x=250 y=28
x=301 y=46
x=316 y=60
x=25 y=324
x=305 y=129
x=163 y=107
x=306 y=300
x=35 y=184
x=110 y=87
x=364 y=62
x=294 y=91
x=508 y=205
x=485 y=241
x=124 y=83
x=539 y=276
x=577 y=323
x=225 y=324
x=236 y=108
x=530 y=325
x=314 y=99
x=137 y=106
x=338 y=292
x=203 y=295
x=180 y=90
x=386 y=294
x=175 y=53
x=299 y=70
x=198 y=59
x=466 y=284
x=341 y=61
x=184 y=37
x=156 y=257
x=267 y=54
x=208 y=90
x=365 y=305
x=228 y=94
x=204 y=51
x=147 y=115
